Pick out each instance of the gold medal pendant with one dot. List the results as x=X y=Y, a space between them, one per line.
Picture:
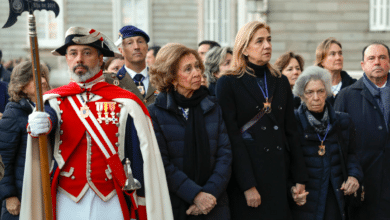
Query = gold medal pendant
x=141 y=89
x=84 y=111
x=267 y=106
x=321 y=149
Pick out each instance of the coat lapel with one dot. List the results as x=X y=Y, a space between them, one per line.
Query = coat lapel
x=150 y=91
x=129 y=84
x=368 y=96
x=250 y=84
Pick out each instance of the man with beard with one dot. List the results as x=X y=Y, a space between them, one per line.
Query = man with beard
x=368 y=103
x=134 y=75
x=94 y=127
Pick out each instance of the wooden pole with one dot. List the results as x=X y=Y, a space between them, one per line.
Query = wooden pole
x=43 y=152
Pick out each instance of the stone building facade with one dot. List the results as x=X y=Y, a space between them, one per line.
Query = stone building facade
x=296 y=25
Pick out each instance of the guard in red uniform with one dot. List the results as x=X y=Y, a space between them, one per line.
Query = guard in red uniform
x=106 y=162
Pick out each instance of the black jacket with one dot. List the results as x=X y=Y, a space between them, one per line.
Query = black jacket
x=372 y=148
x=327 y=169
x=346 y=80
x=169 y=125
x=265 y=160
x=13 y=143
x=3 y=95
x=5 y=75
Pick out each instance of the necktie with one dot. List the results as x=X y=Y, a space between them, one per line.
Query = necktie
x=138 y=82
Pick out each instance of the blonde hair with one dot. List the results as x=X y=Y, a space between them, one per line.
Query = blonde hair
x=164 y=71
x=323 y=49
x=239 y=61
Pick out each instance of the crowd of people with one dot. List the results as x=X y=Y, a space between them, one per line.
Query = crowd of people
x=216 y=133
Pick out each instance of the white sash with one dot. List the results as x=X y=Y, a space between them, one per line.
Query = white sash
x=108 y=150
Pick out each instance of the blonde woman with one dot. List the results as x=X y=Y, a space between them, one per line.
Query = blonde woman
x=329 y=55
x=264 y=151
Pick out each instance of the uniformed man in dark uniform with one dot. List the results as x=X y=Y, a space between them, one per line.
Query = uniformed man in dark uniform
x=134 y=75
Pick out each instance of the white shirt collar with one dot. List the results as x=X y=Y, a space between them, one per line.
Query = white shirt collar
x=382 y=86
x=133 y=73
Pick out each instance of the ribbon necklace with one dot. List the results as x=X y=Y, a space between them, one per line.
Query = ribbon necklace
x=84 y=109
x=321 y=148
x=267 y=104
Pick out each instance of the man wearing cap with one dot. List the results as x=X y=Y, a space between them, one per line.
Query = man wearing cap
x=93 y=128
x=134 y=75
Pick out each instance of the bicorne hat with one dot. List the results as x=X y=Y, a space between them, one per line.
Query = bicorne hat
x=89 y=37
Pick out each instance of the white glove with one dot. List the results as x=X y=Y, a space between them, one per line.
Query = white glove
x=39 y=123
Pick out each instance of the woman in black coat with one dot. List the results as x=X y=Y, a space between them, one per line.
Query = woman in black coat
x=13 y=135
x=191 y=134
x=328 y=144
x=268 y=151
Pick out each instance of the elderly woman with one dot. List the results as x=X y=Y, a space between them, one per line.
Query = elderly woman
x=328 y=144
x=329 y=55
x=217 y=61
x=191 y=134
x=291 y=65
x=13 y=134
x=257 y=105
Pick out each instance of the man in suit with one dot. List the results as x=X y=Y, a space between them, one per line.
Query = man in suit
x=368 y=103
x=134 y=75
x=4 y=74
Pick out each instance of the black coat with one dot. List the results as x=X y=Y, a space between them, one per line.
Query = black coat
x=265 y=160
x=346 y=80
x=373 y=148
x=169 y=125
x=3 y=95
x=13 y=143
x=5 y=75
x=327 y=170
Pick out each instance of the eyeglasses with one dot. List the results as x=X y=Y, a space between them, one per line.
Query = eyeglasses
x=310 y=93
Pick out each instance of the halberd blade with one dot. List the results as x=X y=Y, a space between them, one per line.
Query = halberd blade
x=48 y=5
x=16 y=8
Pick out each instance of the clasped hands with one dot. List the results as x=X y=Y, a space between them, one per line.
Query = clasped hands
x=350 y=186
x=203 y=204
x=299 y=194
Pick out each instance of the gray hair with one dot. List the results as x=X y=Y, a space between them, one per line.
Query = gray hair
x=215 y=57
x=309 y=74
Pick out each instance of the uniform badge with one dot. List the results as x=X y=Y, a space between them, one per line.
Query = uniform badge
x=84 y=111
